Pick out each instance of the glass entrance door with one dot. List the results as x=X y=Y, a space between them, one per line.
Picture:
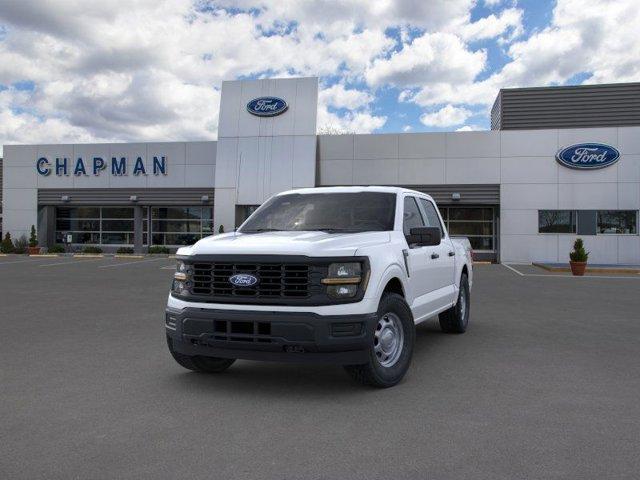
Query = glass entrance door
x=478 y=224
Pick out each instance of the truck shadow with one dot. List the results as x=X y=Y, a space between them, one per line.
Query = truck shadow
x=300 y=381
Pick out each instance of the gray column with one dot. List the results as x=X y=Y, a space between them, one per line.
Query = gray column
x=138 y=216
x=46 y=227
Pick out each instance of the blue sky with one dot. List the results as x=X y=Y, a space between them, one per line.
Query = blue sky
x=77 y=71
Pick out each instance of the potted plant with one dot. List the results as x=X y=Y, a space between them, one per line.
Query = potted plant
x=578 y=257
x=33 y=249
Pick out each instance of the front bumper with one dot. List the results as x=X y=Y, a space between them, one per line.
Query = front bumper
x=301 y=337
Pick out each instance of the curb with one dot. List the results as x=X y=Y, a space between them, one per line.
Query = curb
x=589 y=269
x=127 y=255
x=45 y=255
x=88 y=255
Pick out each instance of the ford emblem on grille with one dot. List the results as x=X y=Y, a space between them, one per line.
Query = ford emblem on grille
x=243 y=280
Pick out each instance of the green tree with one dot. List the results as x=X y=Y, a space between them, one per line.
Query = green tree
x=579 y=254
x=7 y=244
x=33 y=238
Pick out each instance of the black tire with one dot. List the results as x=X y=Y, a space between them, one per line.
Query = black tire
x=456 y=319
x=374 y=373
x=199 y=363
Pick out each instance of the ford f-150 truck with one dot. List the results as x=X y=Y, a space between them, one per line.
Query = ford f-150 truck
x=337 y=275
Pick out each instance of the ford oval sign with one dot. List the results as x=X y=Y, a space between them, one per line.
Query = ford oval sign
x=588 y=156
x=243 y=280
x=267 y=106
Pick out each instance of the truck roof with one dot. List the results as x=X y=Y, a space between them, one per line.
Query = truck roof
x=353 y=189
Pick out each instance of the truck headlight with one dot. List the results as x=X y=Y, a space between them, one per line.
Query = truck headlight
x=182 y=278
x=343 y=279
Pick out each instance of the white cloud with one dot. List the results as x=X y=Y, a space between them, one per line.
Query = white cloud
x=340 y=97
x=469 y=128
x=509 y=22
x=151 y=70
x=447 y=116
x=407 y=128
x=433 y=57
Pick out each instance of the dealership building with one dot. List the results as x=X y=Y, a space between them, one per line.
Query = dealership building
x=559 y=162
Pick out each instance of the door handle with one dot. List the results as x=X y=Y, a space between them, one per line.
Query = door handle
x=452 y=254
x=434 y=256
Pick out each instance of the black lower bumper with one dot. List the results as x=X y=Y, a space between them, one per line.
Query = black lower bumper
x=272 y=336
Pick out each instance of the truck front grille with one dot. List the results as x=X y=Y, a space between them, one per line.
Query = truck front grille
x=276 y=280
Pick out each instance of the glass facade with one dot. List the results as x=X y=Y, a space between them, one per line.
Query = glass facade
x=170 y=226
x=556 y=221
x=95 y=225
x=180 y=225
x=475 y=223
x=622 y=222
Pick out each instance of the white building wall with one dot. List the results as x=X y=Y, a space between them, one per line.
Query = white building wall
x=189 y=165
x=521 y=161
x=260 y=156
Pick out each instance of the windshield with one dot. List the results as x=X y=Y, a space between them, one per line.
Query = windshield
x=330 y=212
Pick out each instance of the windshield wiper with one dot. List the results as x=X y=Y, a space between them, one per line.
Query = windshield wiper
x=334 y=230
x=260 y=230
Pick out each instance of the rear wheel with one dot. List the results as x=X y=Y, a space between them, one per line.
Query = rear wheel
x=391 y=346
x=200 y=363
x=456 y=319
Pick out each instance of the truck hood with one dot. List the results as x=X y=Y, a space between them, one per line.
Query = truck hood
x=312 y=244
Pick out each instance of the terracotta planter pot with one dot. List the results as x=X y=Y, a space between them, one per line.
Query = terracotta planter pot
x=33 y=250
x=578 y=268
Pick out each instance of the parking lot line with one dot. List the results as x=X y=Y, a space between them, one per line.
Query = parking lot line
x=551 y=275
x=130 y=263
x=30 y=260
x=73 y=261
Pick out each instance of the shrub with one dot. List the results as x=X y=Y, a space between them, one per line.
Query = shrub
x=221 y=229
x=57 y=248
x=33 y=238
x=158 y=249
x=91 y=249
x=579 y=254
x=125 y=250
x=20 y=245
x=7 y=244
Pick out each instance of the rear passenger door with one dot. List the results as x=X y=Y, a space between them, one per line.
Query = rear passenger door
x=442 y=257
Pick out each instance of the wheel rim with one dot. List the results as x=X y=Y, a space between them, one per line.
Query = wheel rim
x=388 y=339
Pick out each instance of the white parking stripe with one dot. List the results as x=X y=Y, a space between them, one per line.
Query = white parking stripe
x=130 y=263
x=513 y=270
x=31 y=260
x=74 y=261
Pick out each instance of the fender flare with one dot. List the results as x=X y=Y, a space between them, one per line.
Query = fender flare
x=392 y=271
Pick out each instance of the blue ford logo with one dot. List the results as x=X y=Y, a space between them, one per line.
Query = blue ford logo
x=243 y=280
x=588 y=156
x=267 y=106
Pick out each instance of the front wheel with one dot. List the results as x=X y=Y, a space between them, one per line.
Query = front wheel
x=391 y=347
x=199 y=363
x=456 y=319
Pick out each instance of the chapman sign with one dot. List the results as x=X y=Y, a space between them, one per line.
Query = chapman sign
x=118 y=166
x=588 y=156
x=267 y=106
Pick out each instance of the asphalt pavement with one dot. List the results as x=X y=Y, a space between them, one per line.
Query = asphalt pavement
x=544 y=384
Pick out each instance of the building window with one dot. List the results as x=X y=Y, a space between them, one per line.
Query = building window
x=180 y=225
x=475 y=223
x=556 y=221
x=618 y=221
x=95 y=225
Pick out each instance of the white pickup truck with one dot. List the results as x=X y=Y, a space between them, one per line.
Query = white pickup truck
x=336 y=275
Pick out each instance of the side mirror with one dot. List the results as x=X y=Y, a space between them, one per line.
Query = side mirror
x=424 y=236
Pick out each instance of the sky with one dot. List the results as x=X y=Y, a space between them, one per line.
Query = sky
x=75 y=71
